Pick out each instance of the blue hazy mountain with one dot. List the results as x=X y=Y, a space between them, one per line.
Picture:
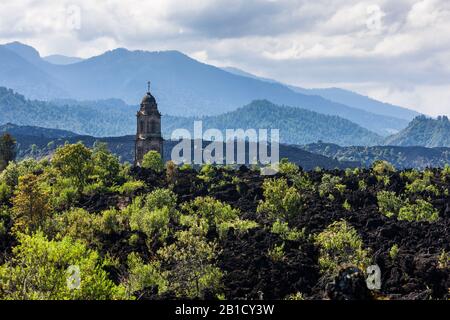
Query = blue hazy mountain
x=114 y=117
x=425 y=132
x=182 y=85
x=346 y=97
x=34 y=131
x=61 y=60
x=362 y=102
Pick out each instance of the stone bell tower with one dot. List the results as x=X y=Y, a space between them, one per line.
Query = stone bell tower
x=148 y=135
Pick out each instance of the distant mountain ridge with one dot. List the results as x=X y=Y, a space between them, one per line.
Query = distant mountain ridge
x=182 y=85
x=425 y=132
x=115 y=118
x=401 y=157
x=297 y=126
x=346 y=97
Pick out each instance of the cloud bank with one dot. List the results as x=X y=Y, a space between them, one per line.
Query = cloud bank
x=396 y=51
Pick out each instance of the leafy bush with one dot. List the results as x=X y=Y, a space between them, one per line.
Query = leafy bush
x=130 y=187
x=281 y=201
x=143 y=275
x=419 y=211
x=381 y=167
x=277 y=254
x=190 y=266
x=38 y=270
x=287 y=168
x=240 y=226
x=153 y=160
x=286 y=233
x=393 y=253
x=79 y=225
x=5 y=192
x=113 y=221
x=419 y=185
x=154 y=216
x=329 y=184
x=340 y=245
x=389 y=204
x=207 y=213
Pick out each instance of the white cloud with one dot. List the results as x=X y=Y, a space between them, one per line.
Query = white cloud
x=402 y=47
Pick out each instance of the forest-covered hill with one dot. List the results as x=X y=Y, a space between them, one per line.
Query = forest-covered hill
x=425 y=132
x=113 y=117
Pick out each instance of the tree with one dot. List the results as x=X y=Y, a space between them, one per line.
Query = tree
x=281 y=201
x=106 y=166
x=153 y=160
x=154 y=216
x=189 y=266
x=30 y=204
x=74 y=162
x=39 y=270
x=7 y=150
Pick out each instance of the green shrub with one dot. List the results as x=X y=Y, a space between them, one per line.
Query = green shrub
x=287 y=168
x=206 y=213
x=382 y=167
x=280 y=200
x=389 y=204
x=5 y=192
x=340 y=245
x=240 y=226
x=277 y=254
x=79 y=225
x=141 y=275
x=153 y=160
x=423 y=184
x=152 y=216
x=286 y=233
x=393 y=253
x=38 y=270
x=419 y=211
x=189 y=266
x=130 y=187
x=113 y=221
x=329 y=184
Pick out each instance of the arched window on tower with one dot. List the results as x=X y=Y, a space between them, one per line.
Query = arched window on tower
x=153 y=126
x=141 y=126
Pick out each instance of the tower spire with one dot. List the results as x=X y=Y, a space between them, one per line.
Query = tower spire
x=148 y=86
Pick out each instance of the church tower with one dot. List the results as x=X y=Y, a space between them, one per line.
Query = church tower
x=148 y=136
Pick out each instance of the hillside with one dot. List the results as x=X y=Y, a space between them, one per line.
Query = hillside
x=297 y=126
x=346 y=97
x=113 y=117
x=400 y=157
x=425 y=132
x=182 y=85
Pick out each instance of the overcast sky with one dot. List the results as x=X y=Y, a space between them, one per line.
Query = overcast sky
x=396 y=51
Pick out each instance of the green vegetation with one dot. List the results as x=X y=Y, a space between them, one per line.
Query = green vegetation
x=7 y=150
x=212 y=232
x=152 y=160
x=341 y=245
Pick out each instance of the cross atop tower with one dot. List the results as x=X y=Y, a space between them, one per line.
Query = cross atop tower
x=148 y=84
